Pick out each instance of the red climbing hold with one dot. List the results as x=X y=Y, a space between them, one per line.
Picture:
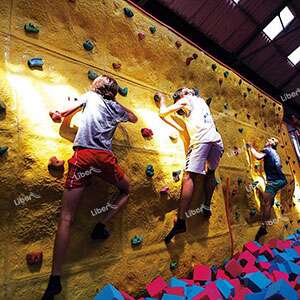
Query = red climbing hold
x=55 y=116
x=188 y=60
x=116 y=66
x=146 y=132
x=56 y=167
x=178 y=44
x=141 y=35
x=34 y=258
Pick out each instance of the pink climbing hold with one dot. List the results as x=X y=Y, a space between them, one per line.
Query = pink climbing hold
x=34 y=258
x=146 y=132
x=141 y=35
x=165 y=190
x=116 y=66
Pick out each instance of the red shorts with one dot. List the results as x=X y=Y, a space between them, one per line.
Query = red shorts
x=87 y=162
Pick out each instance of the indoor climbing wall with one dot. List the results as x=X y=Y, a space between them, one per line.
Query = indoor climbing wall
x=50 y=50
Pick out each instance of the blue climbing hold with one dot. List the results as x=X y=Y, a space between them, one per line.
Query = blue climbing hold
x=136 y=240
x=123 y=91
x=30 y=28
x=88 y=45
x=35 y=63
x=3 y=150
x=226 y=74
x=197 y=91
x=92 y=75
x=173 y=265
x=128 y=12
x=150 y=171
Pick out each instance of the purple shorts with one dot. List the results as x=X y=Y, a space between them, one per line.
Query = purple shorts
x=204 y=156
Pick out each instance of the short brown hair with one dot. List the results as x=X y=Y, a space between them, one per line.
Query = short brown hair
x=109 y=90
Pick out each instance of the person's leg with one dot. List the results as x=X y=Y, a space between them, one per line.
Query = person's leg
x=187 y=189
x=70 y=203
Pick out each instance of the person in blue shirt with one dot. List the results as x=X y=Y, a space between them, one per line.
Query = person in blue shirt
x=276 y=180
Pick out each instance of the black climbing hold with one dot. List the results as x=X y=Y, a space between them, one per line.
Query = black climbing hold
x=208 y=101
x=197 y=91
x=128 y=12
x=2 y=107
x=226 y=105
x=248 y=89
x=152 y=29
x=265 y=124
x=188 y=61
x=35 y=63
x=3 y=150
x=240 y=181
x=123 y=91
x=263 y=106
x=256 y=123
x=178 y=44
x=220 y=81
x=245 y=95
x=236 y=114
x=195 y=55
x=88 y=45
x=173 y=265
x=240 y=81
x=92 y=75
x=116 y=66
x=214 y=67
x=248 y=116
x=226 y=74
x=241 y=130
x=30 y=28
x=252 y=212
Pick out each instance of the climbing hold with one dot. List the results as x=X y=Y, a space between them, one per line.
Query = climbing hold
x=195 y=55
x=176 y=175
x=35 y=63
x=256 y=123
x=178 y=44
x=286 y=226
x=123 y=91
x=152 y=29
x=30 y=28
x=146 y=132
x=217 y=181
x=92 y=75
x=257 y=166
x=208 y=101
x=263 y=106
x=240 y=181
x=3 y=150
x=116 y=66
x=88 y=45
x=245 y=95
x=241 y=130
x=226 y=105
x=128 y=12
x=2 y=107
x=248 y=89
x=236 y=114
x=141 y=36
x=220 y=81
x=248 y=116
x=265 y=124
x=173 y=137
x=156 y=98
x=197 y=91
x=252 y=212
x=173 y=265
x=34 y=258
x=237 y=215
x=136 y=241
x=240 y=81
x=188 y=60
x=164 y=190
x=277 y=203
x=255 y=183
x=226 y=74
x=56 y=167
x=214 y=67
x=150 y=171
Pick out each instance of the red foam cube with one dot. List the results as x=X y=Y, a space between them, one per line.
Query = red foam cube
x=210 y=292
x=233 y=268
x=156 y=287
x=202 y=273
x=251 y=247
x=277 y=275
x=178 y=291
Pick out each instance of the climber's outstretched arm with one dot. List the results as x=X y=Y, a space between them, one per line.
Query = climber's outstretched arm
x=255 y=153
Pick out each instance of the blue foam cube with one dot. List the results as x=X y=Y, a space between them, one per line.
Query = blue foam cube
x=174 y=282
x=256 y=296
x=281 y=290
x=261 y=258
x=225 y=288
x=109 y=292
x=256 y=281
x=292 y=268
x=192 y=291
x=172 y=297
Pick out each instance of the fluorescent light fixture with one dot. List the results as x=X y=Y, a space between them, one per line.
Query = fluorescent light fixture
x=236 y=1
x=294 y=57
x=275 y=26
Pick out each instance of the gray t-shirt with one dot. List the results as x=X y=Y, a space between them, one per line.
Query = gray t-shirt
x=100 y=118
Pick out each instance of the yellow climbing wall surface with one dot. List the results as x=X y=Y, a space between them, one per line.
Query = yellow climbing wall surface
x=242 y=113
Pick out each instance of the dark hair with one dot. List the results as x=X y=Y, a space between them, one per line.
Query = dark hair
x=176 y=96
x=108 y=90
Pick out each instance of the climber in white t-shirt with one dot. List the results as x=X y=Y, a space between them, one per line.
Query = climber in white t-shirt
x=203 y=146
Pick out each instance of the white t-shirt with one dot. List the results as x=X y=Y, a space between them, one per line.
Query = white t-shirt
x=199 y=121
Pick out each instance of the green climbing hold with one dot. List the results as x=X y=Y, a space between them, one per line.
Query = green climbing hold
x=214 y=67
x=226 y=74
x=92 y=75
x=150 y=171
x=3 y=150
x=128 y=12
x=2 y=107
x=123 y=91
x=173 y=265
x=252 y=212
x=30 y=28
x=88 y=45
x=208 y=101
x=136 y=241
x=152 y=29
x=241 y=130
x=277 y=203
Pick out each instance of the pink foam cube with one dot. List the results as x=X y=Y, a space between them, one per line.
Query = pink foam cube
x=277 y=275
x=202 y=273
x=251 y=247
x=250 y=269
x=189 y=282
x=178 y=291
x=221 y=274
x=248 y=257
x=233 y=268
x=297 y=248
x=242 y=293
x=126 y=296
x=264 y=266
x=210 y=292
x=267 y=252
x=156 y=287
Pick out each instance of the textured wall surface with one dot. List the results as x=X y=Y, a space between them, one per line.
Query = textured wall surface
x=242 y=113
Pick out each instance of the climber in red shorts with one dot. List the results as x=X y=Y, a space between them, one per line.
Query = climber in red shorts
x=101 y=114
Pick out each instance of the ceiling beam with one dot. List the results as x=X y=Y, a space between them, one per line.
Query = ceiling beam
x=260 y=28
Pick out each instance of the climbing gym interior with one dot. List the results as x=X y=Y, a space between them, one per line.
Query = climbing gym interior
x=233 y=57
